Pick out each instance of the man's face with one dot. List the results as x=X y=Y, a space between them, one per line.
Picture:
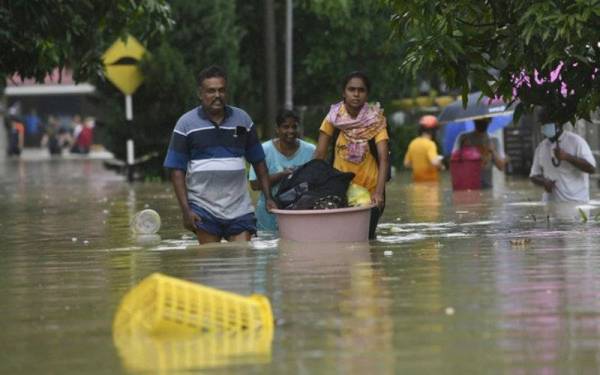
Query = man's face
x=212 y=94
x=551 y=130
x=481 y=126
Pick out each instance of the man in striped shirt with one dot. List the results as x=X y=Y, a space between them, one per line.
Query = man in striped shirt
x=206 y=158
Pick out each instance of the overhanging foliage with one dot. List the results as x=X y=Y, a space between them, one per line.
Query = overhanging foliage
x=499 y=46
x=38 y=36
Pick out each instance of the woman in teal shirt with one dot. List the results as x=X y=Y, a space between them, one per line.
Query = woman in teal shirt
x=283 y=154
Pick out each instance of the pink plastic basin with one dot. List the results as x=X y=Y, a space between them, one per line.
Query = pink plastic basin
x=336 y=225
x=465 y=169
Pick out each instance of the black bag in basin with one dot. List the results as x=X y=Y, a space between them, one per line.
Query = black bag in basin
x=312 y=184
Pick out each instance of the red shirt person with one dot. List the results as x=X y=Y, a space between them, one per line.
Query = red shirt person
x=85 y=137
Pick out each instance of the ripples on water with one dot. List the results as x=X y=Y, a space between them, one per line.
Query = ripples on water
x=456 y=282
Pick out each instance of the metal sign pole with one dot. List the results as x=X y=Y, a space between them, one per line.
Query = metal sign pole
x=120 y=61
x=289 y=103
x=130 y=146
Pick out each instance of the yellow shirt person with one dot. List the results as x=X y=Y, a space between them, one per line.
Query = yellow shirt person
x=357 y=123
x=365 y=173
x=422 y=155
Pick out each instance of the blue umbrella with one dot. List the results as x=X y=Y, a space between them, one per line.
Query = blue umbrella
x=478 y=106
x=453 y=129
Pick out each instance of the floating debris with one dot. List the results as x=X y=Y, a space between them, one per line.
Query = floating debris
x=449 y=311
x=146 y=222
x=166 y=325
x=583 y=215
x=520 y=241
x=165 y=305
x=388 y=253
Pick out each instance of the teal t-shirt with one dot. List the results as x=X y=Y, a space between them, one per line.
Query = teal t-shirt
x=277 y=162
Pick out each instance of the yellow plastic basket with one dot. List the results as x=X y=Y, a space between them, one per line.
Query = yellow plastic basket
x=163 y=305
x=143 y=352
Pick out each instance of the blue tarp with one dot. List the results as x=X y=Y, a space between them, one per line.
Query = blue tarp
x=453 y=129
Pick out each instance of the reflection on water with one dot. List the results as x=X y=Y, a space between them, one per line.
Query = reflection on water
x=445 y=288
x=423 y=201
x=142 y=352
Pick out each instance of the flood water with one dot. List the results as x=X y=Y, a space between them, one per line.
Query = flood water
x=459 y=283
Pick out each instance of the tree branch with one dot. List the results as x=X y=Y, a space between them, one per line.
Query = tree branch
x=475 y=24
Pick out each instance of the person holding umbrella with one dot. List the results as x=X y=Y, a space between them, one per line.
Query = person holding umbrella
x=488 y=147
x=422 y=155
x=562 y=163
x=481 y=151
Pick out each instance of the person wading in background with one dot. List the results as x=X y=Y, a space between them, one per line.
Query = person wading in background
x=488 y=147
x=562 y=163
x=422 y=155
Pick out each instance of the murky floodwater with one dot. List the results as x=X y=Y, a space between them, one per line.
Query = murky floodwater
x=457 y=283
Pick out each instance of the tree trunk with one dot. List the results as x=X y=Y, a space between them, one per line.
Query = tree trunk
x=270 y=69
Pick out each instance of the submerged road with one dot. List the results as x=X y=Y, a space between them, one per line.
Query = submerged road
x=471 y=282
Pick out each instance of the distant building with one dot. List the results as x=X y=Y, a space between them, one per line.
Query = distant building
x=58 y=95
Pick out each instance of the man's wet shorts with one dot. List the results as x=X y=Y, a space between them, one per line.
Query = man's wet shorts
x=224 y=227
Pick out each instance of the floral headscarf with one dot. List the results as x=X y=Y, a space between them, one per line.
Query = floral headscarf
x=358 y=131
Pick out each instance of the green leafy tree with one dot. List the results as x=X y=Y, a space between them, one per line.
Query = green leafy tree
x=338 y=37
x=331 y=38
x=38 y=36
x=540 y=52
x=209 y=32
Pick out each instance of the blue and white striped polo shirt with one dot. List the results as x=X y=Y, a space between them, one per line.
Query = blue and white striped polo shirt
x=213 y=158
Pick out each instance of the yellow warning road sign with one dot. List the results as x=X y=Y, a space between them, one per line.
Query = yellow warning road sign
x=121 y=64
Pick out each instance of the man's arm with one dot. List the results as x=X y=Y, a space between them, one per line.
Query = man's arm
x=21 y=140
x=407 y=160
x=180 y=187
x=544 y=182
x=434 y=159
x=458 y=141
x=579 y=163
x=263 y=178
x=498 y=160
x=537 y=172
x=273 y=179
